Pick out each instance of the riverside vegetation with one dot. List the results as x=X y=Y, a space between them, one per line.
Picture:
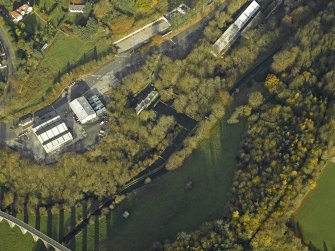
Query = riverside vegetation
x=286 y=138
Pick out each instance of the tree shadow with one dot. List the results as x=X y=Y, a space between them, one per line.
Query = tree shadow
x=72 y=244
x=38 y=219
x=108 y=224
x=49 y=223
x=25 y=210
x=61 y=222
x=96 y=233
x=84 y=240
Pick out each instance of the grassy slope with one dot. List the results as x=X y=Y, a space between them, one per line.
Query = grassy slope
x=316 y=216
x=63 y=50
x=13 y=240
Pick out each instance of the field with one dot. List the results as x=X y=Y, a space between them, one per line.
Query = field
x=168 y=206
x=316 y=215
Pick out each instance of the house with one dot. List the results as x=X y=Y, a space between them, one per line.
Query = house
x=76 y=8
x=25 y=9
x=17 y=15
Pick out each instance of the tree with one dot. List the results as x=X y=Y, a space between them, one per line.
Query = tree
x=255 y=99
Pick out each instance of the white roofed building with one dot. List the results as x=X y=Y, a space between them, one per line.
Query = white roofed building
x=234 y=30
x=52 y=133
x=83 y=110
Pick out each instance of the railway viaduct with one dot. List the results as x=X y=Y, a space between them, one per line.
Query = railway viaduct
x=49 y=243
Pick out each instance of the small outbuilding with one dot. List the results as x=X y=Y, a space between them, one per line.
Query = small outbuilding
x=26 y=120
x=76 y=8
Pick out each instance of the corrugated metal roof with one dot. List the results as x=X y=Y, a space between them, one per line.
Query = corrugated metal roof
x=82 y=109
x=52 y=134
x=228 y=37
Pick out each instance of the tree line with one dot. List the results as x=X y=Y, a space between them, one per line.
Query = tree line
x=288 y=139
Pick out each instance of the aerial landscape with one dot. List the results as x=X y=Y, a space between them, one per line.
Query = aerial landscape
x=132 y=125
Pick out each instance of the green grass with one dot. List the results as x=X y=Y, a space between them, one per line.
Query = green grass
x=63 y=50
x=316 y=216
x=14 y=240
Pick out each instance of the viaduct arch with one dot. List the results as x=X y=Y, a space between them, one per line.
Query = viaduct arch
x=37 y=235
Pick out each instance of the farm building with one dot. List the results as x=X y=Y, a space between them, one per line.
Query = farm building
x=233 y=31
x=82 y=109
x=52 y=133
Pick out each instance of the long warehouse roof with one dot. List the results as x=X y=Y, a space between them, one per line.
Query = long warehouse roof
x=233 y=31
x=52 y=134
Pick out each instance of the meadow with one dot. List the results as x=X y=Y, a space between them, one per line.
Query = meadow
x=316 y=216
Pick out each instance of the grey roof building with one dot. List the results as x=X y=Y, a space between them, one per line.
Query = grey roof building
x=52 y=133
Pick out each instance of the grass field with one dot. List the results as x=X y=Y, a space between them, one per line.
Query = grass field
x=14 y=240
x=167 y=206
x=64 y=50
x=316 y=216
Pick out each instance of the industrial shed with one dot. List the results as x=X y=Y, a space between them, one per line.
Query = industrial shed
x=83 y=110
x=233 y=31
x=52 y=134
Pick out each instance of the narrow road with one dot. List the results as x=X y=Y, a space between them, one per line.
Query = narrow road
x=8 y=51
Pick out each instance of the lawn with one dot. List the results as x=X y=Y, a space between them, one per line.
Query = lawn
x=316 y=215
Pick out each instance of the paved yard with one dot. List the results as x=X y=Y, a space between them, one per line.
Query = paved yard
x=140 y=36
